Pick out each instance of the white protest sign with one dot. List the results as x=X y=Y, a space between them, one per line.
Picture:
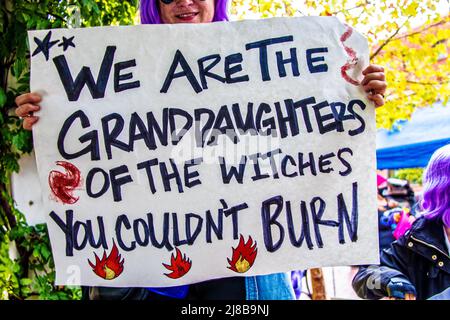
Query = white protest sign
x=173 y=154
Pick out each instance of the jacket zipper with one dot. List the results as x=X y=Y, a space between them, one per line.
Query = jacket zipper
x=431 y=246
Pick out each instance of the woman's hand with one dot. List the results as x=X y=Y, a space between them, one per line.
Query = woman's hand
x=27 y=103
x=374 y=83
x=401 y=289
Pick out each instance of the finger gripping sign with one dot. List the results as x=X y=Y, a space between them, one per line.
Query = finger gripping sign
x=173 y=154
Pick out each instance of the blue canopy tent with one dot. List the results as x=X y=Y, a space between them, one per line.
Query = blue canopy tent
x=411 y=143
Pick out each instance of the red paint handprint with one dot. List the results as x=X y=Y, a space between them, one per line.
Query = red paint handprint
x=63 y=184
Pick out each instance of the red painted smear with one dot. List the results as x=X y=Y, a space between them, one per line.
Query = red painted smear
x=352 y=54
x=64 y=184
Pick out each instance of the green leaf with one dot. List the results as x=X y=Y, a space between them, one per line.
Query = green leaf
x=2 y=98
x=22 y=141
x=18 y=67
x=16 y=268
x=25 y=281
x=26 y=291
x=36 y=253
x=23 y=88
x=45 y=252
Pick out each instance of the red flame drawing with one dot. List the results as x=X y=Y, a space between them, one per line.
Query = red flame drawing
x=244 y=255
x=63 y=184
x=352 y=54
x=179 y=265
x=108 y=267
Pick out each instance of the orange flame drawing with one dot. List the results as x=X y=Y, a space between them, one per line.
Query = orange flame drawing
x=179 y=265
x=244 y=255
x=109 y=267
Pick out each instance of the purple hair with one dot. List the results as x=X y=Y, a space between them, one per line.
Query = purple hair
x=436 y=186
x=150 y=12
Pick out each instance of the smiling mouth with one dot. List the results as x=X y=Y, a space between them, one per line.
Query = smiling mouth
x=189 y=15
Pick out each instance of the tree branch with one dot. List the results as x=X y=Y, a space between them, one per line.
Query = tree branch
x=427 y=83
x=355 y=7
x=4 y=204
x=445 y=20
x=388 y=39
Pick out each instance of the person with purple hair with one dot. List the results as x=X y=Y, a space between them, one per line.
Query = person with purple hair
x=417 y=265
x=172 y=11
x=274 y=286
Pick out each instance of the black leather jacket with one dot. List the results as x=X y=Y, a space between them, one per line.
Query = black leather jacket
x=420 y=256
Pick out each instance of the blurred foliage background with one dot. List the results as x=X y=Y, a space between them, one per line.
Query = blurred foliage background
x=413 y=175
x=408 y=38
x=26 y=264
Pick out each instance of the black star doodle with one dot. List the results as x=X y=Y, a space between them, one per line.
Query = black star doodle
x=66 y=43
x=44 y=45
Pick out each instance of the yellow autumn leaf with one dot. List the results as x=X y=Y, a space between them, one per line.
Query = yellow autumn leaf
x=415 y=57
